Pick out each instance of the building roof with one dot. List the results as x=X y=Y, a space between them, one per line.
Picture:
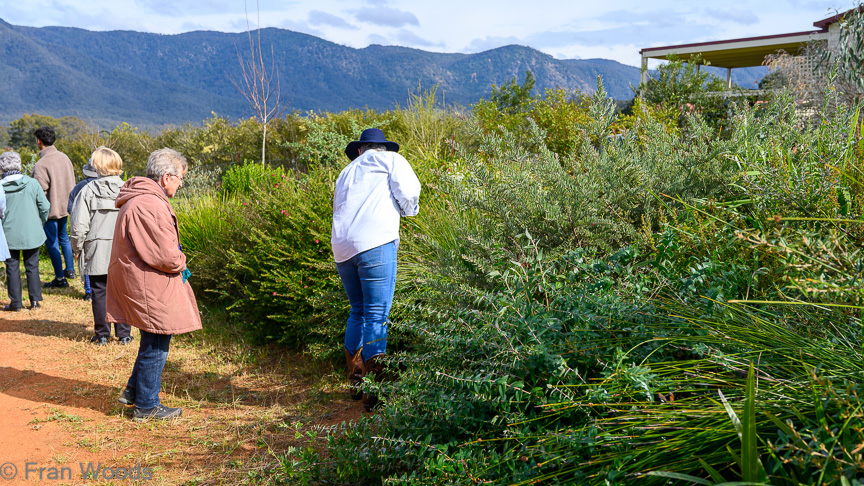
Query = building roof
x=824 y=23
x=747 y=51
x=736 y=53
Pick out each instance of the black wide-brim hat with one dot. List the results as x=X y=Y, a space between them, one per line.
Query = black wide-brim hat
x=370 y=135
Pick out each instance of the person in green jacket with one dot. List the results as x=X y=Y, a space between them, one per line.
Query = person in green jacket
x=26 y=211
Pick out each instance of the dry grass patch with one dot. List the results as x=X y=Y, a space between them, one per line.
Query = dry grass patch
x=242 y=404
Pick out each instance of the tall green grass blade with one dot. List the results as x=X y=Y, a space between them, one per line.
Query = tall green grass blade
x=735 y=457
x=749 y=454
x=716 y=476
x=682 y=477
x=779 y=423
x=732 y=415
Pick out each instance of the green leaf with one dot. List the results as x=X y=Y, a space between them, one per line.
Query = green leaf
x=716 y=476
x=682 y=477
x=749 y=454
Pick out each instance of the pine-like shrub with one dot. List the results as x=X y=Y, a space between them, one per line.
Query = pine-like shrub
x=241 y=180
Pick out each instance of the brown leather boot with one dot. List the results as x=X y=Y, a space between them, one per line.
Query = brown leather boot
x=372 y=367
x=355 y=373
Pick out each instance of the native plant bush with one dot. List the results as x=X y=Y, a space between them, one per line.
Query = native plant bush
x=427 y=129
x=568 y=372
x=547 y=349
x=261 y=247
x=562 y=114
x=681 y=85
x=287 y=262
x=323 y=137
x=614 y=192
x=241 y=180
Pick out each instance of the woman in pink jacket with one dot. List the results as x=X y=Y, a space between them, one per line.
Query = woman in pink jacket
x=147 y=285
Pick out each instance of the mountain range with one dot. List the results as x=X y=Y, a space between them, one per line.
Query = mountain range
x=153 y=79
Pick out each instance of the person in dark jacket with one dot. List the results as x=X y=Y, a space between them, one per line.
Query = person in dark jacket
x=90 y=175
x=26 y=211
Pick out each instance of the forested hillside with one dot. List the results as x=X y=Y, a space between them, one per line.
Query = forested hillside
x=151 y=79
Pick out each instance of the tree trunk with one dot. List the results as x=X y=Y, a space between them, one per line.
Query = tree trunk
x=264 y=145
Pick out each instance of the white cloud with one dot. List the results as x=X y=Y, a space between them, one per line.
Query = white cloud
x=386 y=16
x=317 y=17
x=744 y=17
x=405 y=37
x=187 y=7
x=486 y=43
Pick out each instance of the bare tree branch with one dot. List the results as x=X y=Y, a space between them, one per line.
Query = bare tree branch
x=259 y=83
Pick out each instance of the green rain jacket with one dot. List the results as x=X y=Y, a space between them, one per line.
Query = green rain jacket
x=26 y=211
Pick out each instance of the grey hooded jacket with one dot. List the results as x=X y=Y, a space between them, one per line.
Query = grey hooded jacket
x=92 y=224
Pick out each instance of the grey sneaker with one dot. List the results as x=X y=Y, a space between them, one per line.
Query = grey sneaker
x=159 y=412
x=127 y=397
x=69 y=273
x=99 y=340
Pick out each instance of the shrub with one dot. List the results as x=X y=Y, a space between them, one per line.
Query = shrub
x=241 y=180
x=323 y=137
x=561 y=356
x=263 y=246
x=560 y=113
x=680 y=83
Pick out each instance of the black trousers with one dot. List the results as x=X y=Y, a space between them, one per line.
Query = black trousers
x=13 y=276
x=101 y=327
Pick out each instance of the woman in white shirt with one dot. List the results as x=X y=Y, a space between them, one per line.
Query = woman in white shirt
x=372 y=193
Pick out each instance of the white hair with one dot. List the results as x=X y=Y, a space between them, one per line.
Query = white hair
x=10 y=161
x=165 y=161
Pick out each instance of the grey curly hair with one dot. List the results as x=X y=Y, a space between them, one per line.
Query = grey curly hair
x=165 y=161
x=10 y=161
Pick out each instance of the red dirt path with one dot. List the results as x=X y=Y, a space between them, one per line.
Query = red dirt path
x=58 y=407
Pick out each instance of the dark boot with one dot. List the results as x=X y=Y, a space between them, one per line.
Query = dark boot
x=375 y=368
x=355 y=373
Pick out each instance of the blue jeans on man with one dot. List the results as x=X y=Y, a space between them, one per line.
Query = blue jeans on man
x=57 y=242
x=146 y=379
x=369 y=279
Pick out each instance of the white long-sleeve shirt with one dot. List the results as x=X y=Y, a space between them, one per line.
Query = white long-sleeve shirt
x=372 y=192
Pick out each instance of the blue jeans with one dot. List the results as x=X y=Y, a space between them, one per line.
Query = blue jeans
x=56 y=240
x=369 y=279
x=146 y=379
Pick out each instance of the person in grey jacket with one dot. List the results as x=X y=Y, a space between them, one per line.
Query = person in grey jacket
x=26 y=211
x=94 y=216
x=90 y=175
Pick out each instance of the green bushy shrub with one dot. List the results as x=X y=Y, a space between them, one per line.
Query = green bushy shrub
x=241 y=180
x=268 y=257
x=574 y=318
x=542 y=363
x=569 y=372
x=323 y=137
x=560 y=113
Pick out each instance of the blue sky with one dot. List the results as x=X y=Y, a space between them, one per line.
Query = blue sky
x=566 y=29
